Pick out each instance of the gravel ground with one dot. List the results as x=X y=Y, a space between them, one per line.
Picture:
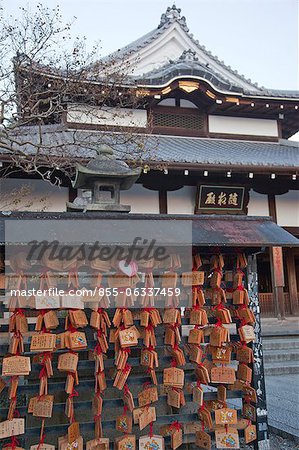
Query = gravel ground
x=280 y=443
x=276 y=443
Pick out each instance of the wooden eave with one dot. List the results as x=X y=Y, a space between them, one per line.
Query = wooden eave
x=208 y=96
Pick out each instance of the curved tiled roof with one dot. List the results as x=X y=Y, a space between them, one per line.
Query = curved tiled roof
x=173 y=15
x=224 y=153
x=183 y=67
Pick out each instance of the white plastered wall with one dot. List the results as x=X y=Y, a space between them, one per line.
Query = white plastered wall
x=258 y=204
x=140 y=199
x=170 y=45
x=123 y=117
x=243 y=125
x=181 y=201
x=40 y=195
x=287 y=209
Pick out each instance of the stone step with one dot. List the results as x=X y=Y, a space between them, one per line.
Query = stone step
x=278 y=355
x=280 y=344
x=281 y=368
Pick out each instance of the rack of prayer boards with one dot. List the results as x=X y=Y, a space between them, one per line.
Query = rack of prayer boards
x=134 y=370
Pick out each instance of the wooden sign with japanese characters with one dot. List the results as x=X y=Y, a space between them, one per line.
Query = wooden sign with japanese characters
x=219 y=199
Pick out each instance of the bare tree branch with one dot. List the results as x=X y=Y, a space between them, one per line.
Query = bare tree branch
x=46 y=84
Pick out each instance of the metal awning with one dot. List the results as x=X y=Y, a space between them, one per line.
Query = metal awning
x=207 y=230
x=244 y=231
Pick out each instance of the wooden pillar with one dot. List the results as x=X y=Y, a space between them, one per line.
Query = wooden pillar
x=292 y=281
x=277 y=272
x=276 y=261
x=163 y=202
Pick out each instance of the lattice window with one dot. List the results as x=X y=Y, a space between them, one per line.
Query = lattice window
x=187 y=121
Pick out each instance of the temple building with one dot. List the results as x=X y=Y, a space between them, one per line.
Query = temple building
x=215 y=143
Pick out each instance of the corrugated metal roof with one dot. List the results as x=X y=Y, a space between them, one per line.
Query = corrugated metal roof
x=207 y=230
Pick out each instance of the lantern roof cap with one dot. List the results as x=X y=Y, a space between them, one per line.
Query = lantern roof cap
x=105 y=165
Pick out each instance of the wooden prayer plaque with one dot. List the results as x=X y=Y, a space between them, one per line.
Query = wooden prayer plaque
x=127 y=442
x=203 y=440
x=214 y=405
x=47 y=302
x=128 y=337
x=154 y=442
x=124 y=423
x=247 y=333
x=31 y=403
x=50 y=320
x=196 y=336
x=221 y=354
x=170 y=315
x=174 y=398
x=16 y=365
x=10 y=447
x=42 y=447
x=72 y=301
x=73 y=432
x=147 y=416
x=221 y=393
x=215 y=281
x=2 y=385
x=63 y=443
x=249 y=412
x=176 y=439
x=197 y=395
x=244 y=373
x=191 y=427
x=68 y=362
x=147 y=396
x=202 y=374
x=227 y=439
x=12 y=427
x=196 y=317
x=250 y=393
x=98 y=444
x=226 y=416
x=193 y=278
x=172 y=376
x=238 y=297
x=44 y=342
x=223 y=375
x=169 y=279
x=43 y=406
x=244 y=355
x=250 y=434
x=77 y=340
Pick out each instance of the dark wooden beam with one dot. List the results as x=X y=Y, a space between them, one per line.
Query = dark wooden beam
x=163 y=202
x=293 y=230
x=272 y=207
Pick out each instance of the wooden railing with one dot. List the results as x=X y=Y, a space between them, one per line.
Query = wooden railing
x=268 y=307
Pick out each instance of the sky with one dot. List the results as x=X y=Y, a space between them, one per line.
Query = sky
x=259 y=38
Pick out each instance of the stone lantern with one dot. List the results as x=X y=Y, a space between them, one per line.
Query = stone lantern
x=105 y=177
